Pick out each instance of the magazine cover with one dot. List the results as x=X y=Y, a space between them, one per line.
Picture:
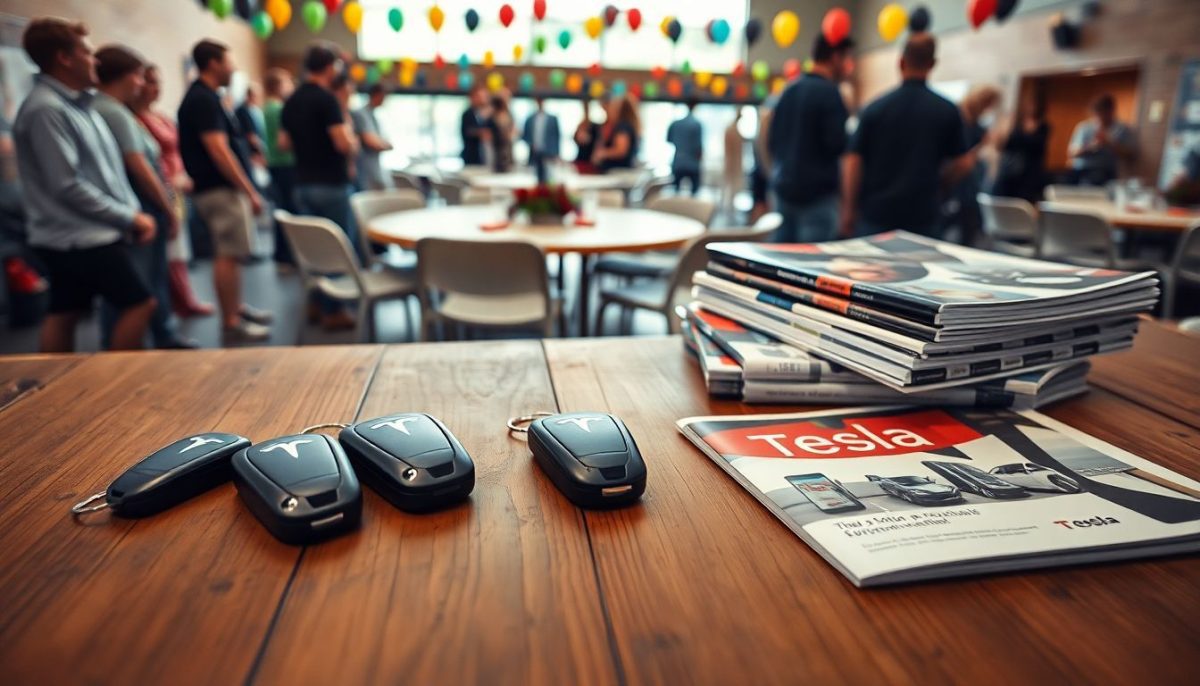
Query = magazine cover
x=890 y=495
x=925 y=278
x=722 y=375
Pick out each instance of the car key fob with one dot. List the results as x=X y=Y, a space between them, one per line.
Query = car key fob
x=410 y=459
x=171 y=475
x=300 y=487
x=590 y=457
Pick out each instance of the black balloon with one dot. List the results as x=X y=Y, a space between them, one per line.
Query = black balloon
x=919 y=20
x=245 y=8
x=472 y=20
x=674 y=30
x=1005 y=8
x=753 y=31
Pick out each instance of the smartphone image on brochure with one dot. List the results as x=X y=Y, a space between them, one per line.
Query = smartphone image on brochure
x=824 y=493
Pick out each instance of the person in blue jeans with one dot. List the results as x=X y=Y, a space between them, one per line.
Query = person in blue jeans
x=322 y=138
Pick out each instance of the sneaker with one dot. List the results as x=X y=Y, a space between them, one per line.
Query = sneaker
x=180 y=343
x=246 y=332
x=255 y=315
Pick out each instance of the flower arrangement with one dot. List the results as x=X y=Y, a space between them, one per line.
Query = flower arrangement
x=544 y=203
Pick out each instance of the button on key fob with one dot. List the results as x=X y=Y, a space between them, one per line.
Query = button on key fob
x=300 y=487
x=410 y=459
x=590 y=457
x=172 y=474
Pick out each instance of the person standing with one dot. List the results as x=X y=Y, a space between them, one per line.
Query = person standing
x=909 y=145
x=215 y=156
x=619 y=137
x=250 y=119
x=687 y=136
x=476 y=128
x=961 y=208
x=1099 y=145
x=504 y=130
x=541 y=134
x=1021 y=172
x=281 y=163
x=78 y=201
x=587 y=137
x=806 y=141
x=371 y=176
x=121 y=74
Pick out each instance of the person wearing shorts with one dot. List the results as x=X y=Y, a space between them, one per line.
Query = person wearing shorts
x=215 y=156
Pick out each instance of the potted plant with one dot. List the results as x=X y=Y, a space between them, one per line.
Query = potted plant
x=544 y=204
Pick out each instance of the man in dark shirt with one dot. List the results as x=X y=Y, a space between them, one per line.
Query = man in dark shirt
x=806 y=141
x=909 y=143
x=476 y=128
x=215 y=157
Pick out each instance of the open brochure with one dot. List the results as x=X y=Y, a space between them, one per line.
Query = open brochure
x=900 y=494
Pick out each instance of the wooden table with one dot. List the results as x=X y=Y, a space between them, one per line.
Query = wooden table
x=615 y=230
x=697 y=584
x=1169 y=220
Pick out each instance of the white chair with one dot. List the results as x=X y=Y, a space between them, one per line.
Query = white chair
x=654 y=189
x=1185 y=268
x=1080 y=238
x=693 y=208
x=328 y=265
x=367 y=205
x=1064 y=192
x=405 y=181
x=1010 y=224
x=449 y=191
x=484 y=284
x=664 y=296
x=656 y=264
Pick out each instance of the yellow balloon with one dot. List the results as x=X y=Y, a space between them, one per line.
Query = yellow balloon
x=574 y=83
x=892 y=20
x=593 y=26
x=280 y=12
x=720 y=86
x=489 y=59
x=436 y=18
x=352 y=14
x=785 y=28
x=517 y=52
x=778 y=84
x=408 y=66
x=703 y=78
x=407 y=79
x=665 y=26
x=358 y=72
x=495 y=82
x=597 y=89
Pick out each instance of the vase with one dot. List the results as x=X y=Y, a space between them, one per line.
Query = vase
x=545 y=219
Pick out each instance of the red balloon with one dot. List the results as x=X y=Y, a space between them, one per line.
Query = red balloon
x=978 y=11
x=332 y=5
x=739 y=70
x=741 y=92
x=836 y=25
x=658 y=72
x=595 y=69
x=610 y=15
x=438 y=62
x=674 y=88
x=792 y=68
x=539 y=9
x=634 y=15
x=636 y=90
x=506 y=15
x=451 y=81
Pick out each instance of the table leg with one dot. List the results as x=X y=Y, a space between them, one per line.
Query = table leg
x=585 y=287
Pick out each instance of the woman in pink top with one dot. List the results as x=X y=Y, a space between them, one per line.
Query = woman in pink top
x=163 y=130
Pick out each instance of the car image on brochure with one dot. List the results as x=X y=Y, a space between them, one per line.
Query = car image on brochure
x=974 y=480
x=1034 y=477
x=918 y=490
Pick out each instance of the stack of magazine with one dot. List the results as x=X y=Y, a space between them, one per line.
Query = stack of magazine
x=899 y=317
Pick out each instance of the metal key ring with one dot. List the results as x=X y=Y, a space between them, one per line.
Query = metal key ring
x=515 y=423
x=317 y=427
x=82 y=506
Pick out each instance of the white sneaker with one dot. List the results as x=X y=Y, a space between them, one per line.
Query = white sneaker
x=246 y=332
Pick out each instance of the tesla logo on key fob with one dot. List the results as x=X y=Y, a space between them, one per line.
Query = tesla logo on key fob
x=289 y=447
x=581 y=422
x=198 y=441
x=397 y=424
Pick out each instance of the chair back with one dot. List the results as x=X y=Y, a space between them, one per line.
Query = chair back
x=367 y=205
x=695 y=253
x=405 y=181
x=321 y=247
x=450 y=192
x=693 y=208
x=1064 y=235
x=654 y=189
x=1006 y=219
x=1064 y=192
x=500 y=268
x=1185 y=268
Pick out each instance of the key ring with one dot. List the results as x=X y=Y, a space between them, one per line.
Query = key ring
x=82 y=507
x=329 y=425
x=514 y=424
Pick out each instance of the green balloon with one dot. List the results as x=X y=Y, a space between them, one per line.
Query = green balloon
x=385 y=66
x=395 y=18
x=650 y=90
x=262 y=25
x=760 y=70
x=314 y=15
x=686 y=68
x=221 y=8
x=372 y=75
x=557 y=78
x=539 y=44
x=760 y=91
x=564 y=39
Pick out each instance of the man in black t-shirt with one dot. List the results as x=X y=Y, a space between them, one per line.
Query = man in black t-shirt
x=908 y=144
x=215 y=157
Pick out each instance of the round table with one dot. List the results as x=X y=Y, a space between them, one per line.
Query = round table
x=1170 y=220
x=578 y=182
x=615 y=230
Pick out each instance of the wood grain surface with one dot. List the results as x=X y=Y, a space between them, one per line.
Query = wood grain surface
x=184 y=597
x=21 y=375
x=498 y=590
x=704 y=585
x=1162 y=372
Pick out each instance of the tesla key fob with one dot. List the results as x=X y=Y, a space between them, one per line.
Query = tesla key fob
x=300 y=487
x=410 y=459
x=590 y=457
x=171 y=475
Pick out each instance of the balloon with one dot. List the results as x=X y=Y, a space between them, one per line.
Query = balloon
x=634 y=16
x=358 y=72
x=791 y=69
x=808 y=65
x=420 y=79
x=564 y=39
x=739 y=70
x=518 y=52
x=495 y=82
x=314 y=15
x=332 y=5
x=718 y=31
x=245 y=8
x=506 y=15
x=703 y=78
x=658 y=72
x=439 y=62
x=263 y=25
x=436 y=18
x=526 y=82
x=1004 y=9
x=674 y=88
x=785 y=28
x=539 y=9
x=650 y=90
x=463 y=62
x=408 y=65
x=407 y=79
x=753 y=32
x=610 y=15
x=741 y=92
x=674 y=30
x=892 y=20
x=489 y=59
x=760 y=70
x=472 y=20
x=686 y=68
x=760 y=91
x=221 y=8
x=451 y=80
x=720 y=86
x=352 y=14
x=465 y=80
x=978 y=11
x=593 y=26
x=574 y=83
x=836 y=25
x=665 y=26
x=557 y=77
x=595 y=69
x=280 y=12
x=385 y=66
x=778 y=84
x=596 y=89
x=619 y=88
x=539 y=44
x=919 y=20
x=372 y=75
x=395 y=18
